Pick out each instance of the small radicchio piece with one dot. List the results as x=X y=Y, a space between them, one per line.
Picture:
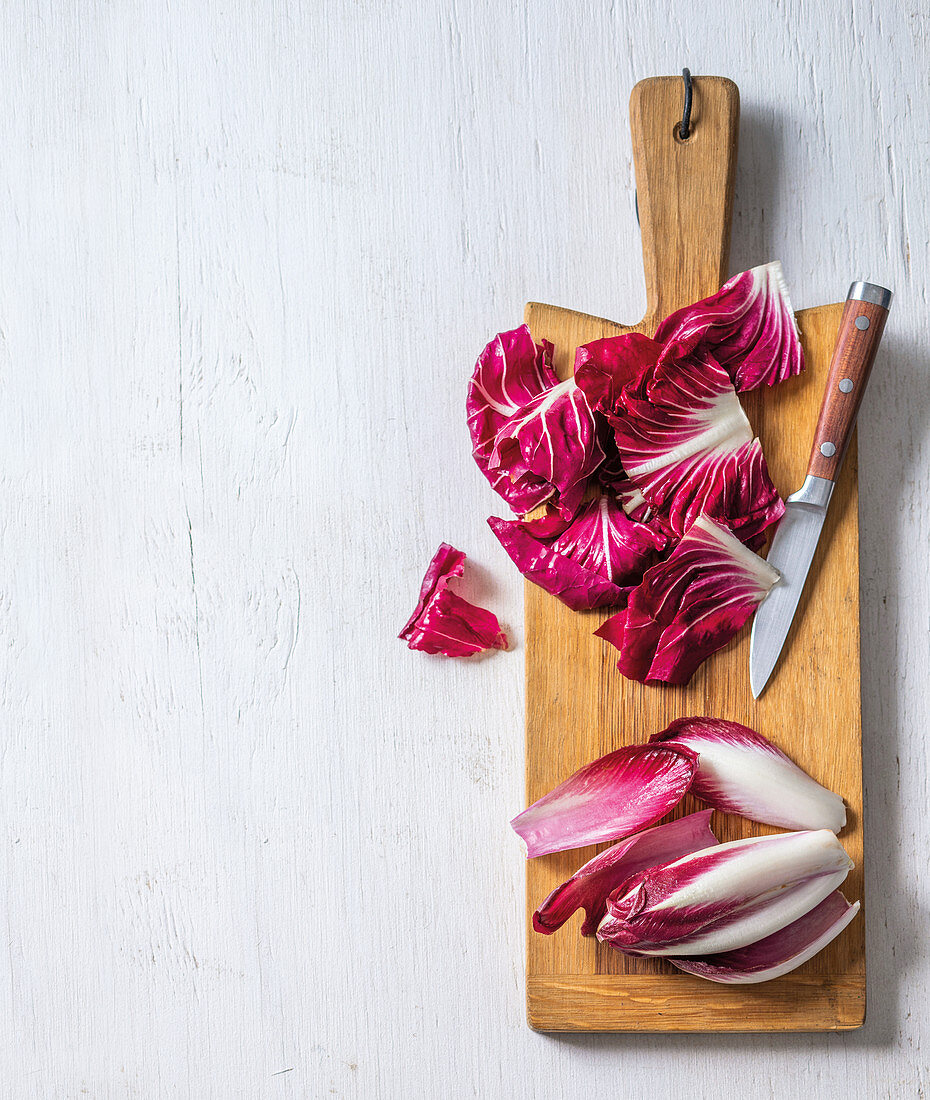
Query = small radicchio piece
x=588 y=887
x=685 y=442
x=604 y=367
x=741 y=772
x=688 y=606
x=586 y=562
x=553 y=437
x=619 y=794
x=510 y=372
x=445 y=623
x=748 y=326
x=726 y=897
x=779 y=953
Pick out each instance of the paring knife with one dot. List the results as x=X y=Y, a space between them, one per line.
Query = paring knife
x=799 y=530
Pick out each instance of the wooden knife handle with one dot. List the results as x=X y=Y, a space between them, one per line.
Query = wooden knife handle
x=860 y=333
x=684 y=189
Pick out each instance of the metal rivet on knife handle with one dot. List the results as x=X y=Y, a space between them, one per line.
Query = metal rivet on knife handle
x=827 y=450
x=862 y=323
x=846 y=385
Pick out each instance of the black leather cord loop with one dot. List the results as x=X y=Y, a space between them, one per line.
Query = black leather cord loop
x=684 y=129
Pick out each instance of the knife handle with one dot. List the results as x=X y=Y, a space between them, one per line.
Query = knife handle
x=860 y=333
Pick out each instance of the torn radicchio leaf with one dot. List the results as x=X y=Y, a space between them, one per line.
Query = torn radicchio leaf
x=604 y=367
x=688 y=606
x=533 y=437
x=510 y=372
x=687 y=445
x=589 y=561
x=552 y=437
x=445 y=623
x=748 y=326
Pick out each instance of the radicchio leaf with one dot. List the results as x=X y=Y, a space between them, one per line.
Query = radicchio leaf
x=621 y=793
x=445 y=623
x=779 y=953
x=604 y=367
x=726 y=897
x=685 y=442
x=588 y=887
x=742 y=772
x=553 y=437
x=510 y=372
x=688 y=606
x=748 y=326
x=587 y=561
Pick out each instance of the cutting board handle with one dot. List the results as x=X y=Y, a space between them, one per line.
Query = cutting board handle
x=684 y=188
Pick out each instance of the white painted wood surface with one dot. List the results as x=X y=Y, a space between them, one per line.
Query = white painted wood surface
x=253 y=847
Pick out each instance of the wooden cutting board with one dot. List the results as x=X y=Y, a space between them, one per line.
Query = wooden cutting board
x=578 y=706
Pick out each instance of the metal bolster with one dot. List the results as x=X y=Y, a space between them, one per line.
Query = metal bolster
x=870 y=292
x=816 y=492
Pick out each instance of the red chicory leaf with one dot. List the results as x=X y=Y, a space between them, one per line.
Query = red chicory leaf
x=604 y=367
x=748 y=326
x=685 y=442
x=621 y=793
x=589 y=886
x=779 y=953
x=688 y=606
x=726 y=897
x=445 y=623
x=552 y=437
x=586 y=562
x=510 y=372
x=742 y=772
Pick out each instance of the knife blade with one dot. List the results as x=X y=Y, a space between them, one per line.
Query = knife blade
x=798 y=533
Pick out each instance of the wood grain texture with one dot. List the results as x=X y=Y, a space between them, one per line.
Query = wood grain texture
x=852 y=362
x=249 y=255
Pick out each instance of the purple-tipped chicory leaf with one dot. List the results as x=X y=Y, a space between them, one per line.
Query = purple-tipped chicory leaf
x=726 y=897
x=779 y=953
x=442 y=621
x=553 y=437
x=586 y=562
x=588 y=887
x=688 y=606
x=748 y=326
x=685 y=442
x=741 y=772
x=621 y=793
x=510 y=372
